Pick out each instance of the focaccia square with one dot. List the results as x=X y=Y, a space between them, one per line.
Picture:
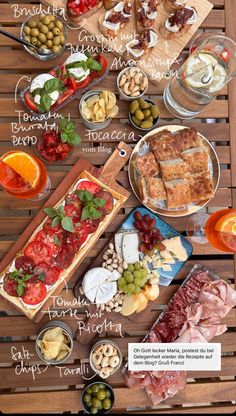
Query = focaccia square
x=196 y=159
x=147 y=165
x=156 y=189
x=164 y=146
x=142 y=189
x=188 y=139
x=173 y=169
x=178 y=193
x=201 y=186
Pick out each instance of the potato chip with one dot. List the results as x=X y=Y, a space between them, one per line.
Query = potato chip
x=104 y=95
x=113 y=112
x=61 y=355
x=54 y=344
x=54 y=334
x=92 y=100
x=50 y=349
x=111 y=101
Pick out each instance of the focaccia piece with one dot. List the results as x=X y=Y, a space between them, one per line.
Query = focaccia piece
x=196 y=159
x=147 y=165
x=142 y=189
x=164 y=146
x=173 y=169
x=156 y=189
x=201 y=186
x=178 y=193
x=188 y=139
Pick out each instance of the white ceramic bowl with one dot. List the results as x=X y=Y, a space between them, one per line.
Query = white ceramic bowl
x=123 y=96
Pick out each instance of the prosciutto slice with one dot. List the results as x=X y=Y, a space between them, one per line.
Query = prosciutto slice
x=219 y=297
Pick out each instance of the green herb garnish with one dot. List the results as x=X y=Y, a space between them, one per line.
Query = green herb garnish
x=58 y=217
x=20 y=279
x=90 y=205
x=68 y=133
x=49 y=87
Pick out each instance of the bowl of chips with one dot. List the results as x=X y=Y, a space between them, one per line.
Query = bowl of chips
x=97 y=108
x=54 y=342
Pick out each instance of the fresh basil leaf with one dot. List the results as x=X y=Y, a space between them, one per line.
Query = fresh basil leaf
x=52 y=85
x=14 y=275
x=20 y=290
x=61 y=209
x=41 y=276
x=85 y=214
x=57 y=241
x=67 y=224
x=73 y=138
x=51 y=212
x=37 y=91
x=99 y=202
x=95 y=66
x=27 y=277
x=94 y=213
x=45 y=102
x=84 y=196
x=64 y=137
x=56 y=221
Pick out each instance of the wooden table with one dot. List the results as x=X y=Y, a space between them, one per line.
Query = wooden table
x=205 y=392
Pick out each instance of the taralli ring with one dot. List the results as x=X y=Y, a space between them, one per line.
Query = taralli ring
x=105 y=372
x=108 y=350
x=105 y=362
x=97 y=358
x=114 y=361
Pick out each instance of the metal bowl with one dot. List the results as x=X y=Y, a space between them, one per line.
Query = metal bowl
x=33 y=51
x=92 y=125
x=112 y=398
x=154 y=123
x=104 y=342
x=67 y=331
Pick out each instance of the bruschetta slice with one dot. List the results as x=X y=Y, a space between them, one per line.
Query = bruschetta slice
x=146 y=14
x=112 y=21
x=172 y=5
x=178 y=23
x=142 y=45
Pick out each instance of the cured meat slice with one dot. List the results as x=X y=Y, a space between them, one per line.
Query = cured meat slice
x=219 y=296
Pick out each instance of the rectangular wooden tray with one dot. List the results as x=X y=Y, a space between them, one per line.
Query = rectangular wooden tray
x=106 y=176
x=160 y=59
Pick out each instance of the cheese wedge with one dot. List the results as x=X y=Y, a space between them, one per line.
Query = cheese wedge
x=174 y=245
x=130 y=247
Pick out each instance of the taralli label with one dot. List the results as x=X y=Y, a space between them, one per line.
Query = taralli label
x=174 y=357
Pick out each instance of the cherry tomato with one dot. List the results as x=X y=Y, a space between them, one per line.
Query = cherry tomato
x=34 y=293
x=63 y=97
x=84 y=83
x=29 y=101
x=72 y=84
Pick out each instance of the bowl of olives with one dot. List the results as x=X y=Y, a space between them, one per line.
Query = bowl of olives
x=144 y=114
x=44 y=31
x=98 y=398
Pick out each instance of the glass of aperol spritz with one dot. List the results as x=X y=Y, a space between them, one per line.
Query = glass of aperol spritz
x=219 y=229
x=24 y=176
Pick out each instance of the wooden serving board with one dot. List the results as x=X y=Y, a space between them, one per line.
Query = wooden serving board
x=160 y=59
x=107 y=176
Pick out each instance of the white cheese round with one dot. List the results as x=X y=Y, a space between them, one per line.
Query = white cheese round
x=53 y=95
x=39 y=81
x=78 y=72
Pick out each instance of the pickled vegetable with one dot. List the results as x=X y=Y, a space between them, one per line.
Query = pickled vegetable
x=97 y=397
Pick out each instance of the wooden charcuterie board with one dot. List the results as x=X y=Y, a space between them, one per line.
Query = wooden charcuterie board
x=160 y=59
x=107 y=176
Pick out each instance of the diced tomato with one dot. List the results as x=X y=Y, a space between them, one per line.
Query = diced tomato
x=10 y=285
x=72 y=84
x=62 y=150
x=103 y=62
x=92 y=225
x=63 y=97
x=106 y=209
x=34 y=293
x=225 y=55
x=38 y=252
x=89 y=186
x=24 y=264
x=52 y=273
x=30 y=102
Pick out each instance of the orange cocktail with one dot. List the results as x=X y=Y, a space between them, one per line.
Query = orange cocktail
x=23 y=175
x=220 y=230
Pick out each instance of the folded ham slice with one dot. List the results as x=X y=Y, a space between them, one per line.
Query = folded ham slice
x=219 y=297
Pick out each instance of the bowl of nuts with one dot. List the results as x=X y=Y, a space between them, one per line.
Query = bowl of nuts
x=132 y=83
x=105 y=358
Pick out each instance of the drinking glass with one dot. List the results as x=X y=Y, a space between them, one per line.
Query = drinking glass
x=24 y=176
x=211 y=65
x=218 y=229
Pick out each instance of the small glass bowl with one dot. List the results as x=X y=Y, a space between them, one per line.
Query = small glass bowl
x=100 y=343
x=92 y=125
x=51 y=162
x=33 y=51
x=122 y=95
x=154 y=123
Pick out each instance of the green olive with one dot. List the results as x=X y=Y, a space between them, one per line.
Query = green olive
x=40 y=24
x=102 y=386
x=34 y=32
x=89 y=390
x=144 y=105
x=95 y=402
x=27 y=30
x=95 y=388
x=87 y=397
x=136 y=121
x=155 y=111
x=57 y=40
x=94 y=410
x=56 y=48
x=44 y=29
x=146 y=113
x=42 y=16
x=59 y=24
x=56 y=31
x=27 y=38
x=101 y=395
x=42 y=37
x=150 y=118
x=63 y=39
x=32 y=23
x=39 y=43
x=46 y=20
x=52 y=18
x=106 y=404
x=44 y=46
x=50 y=35
x=146 y=124
x=134 y=106
x=108 y=394
x=139 y=114
x=49 y=44
x=33 y=40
